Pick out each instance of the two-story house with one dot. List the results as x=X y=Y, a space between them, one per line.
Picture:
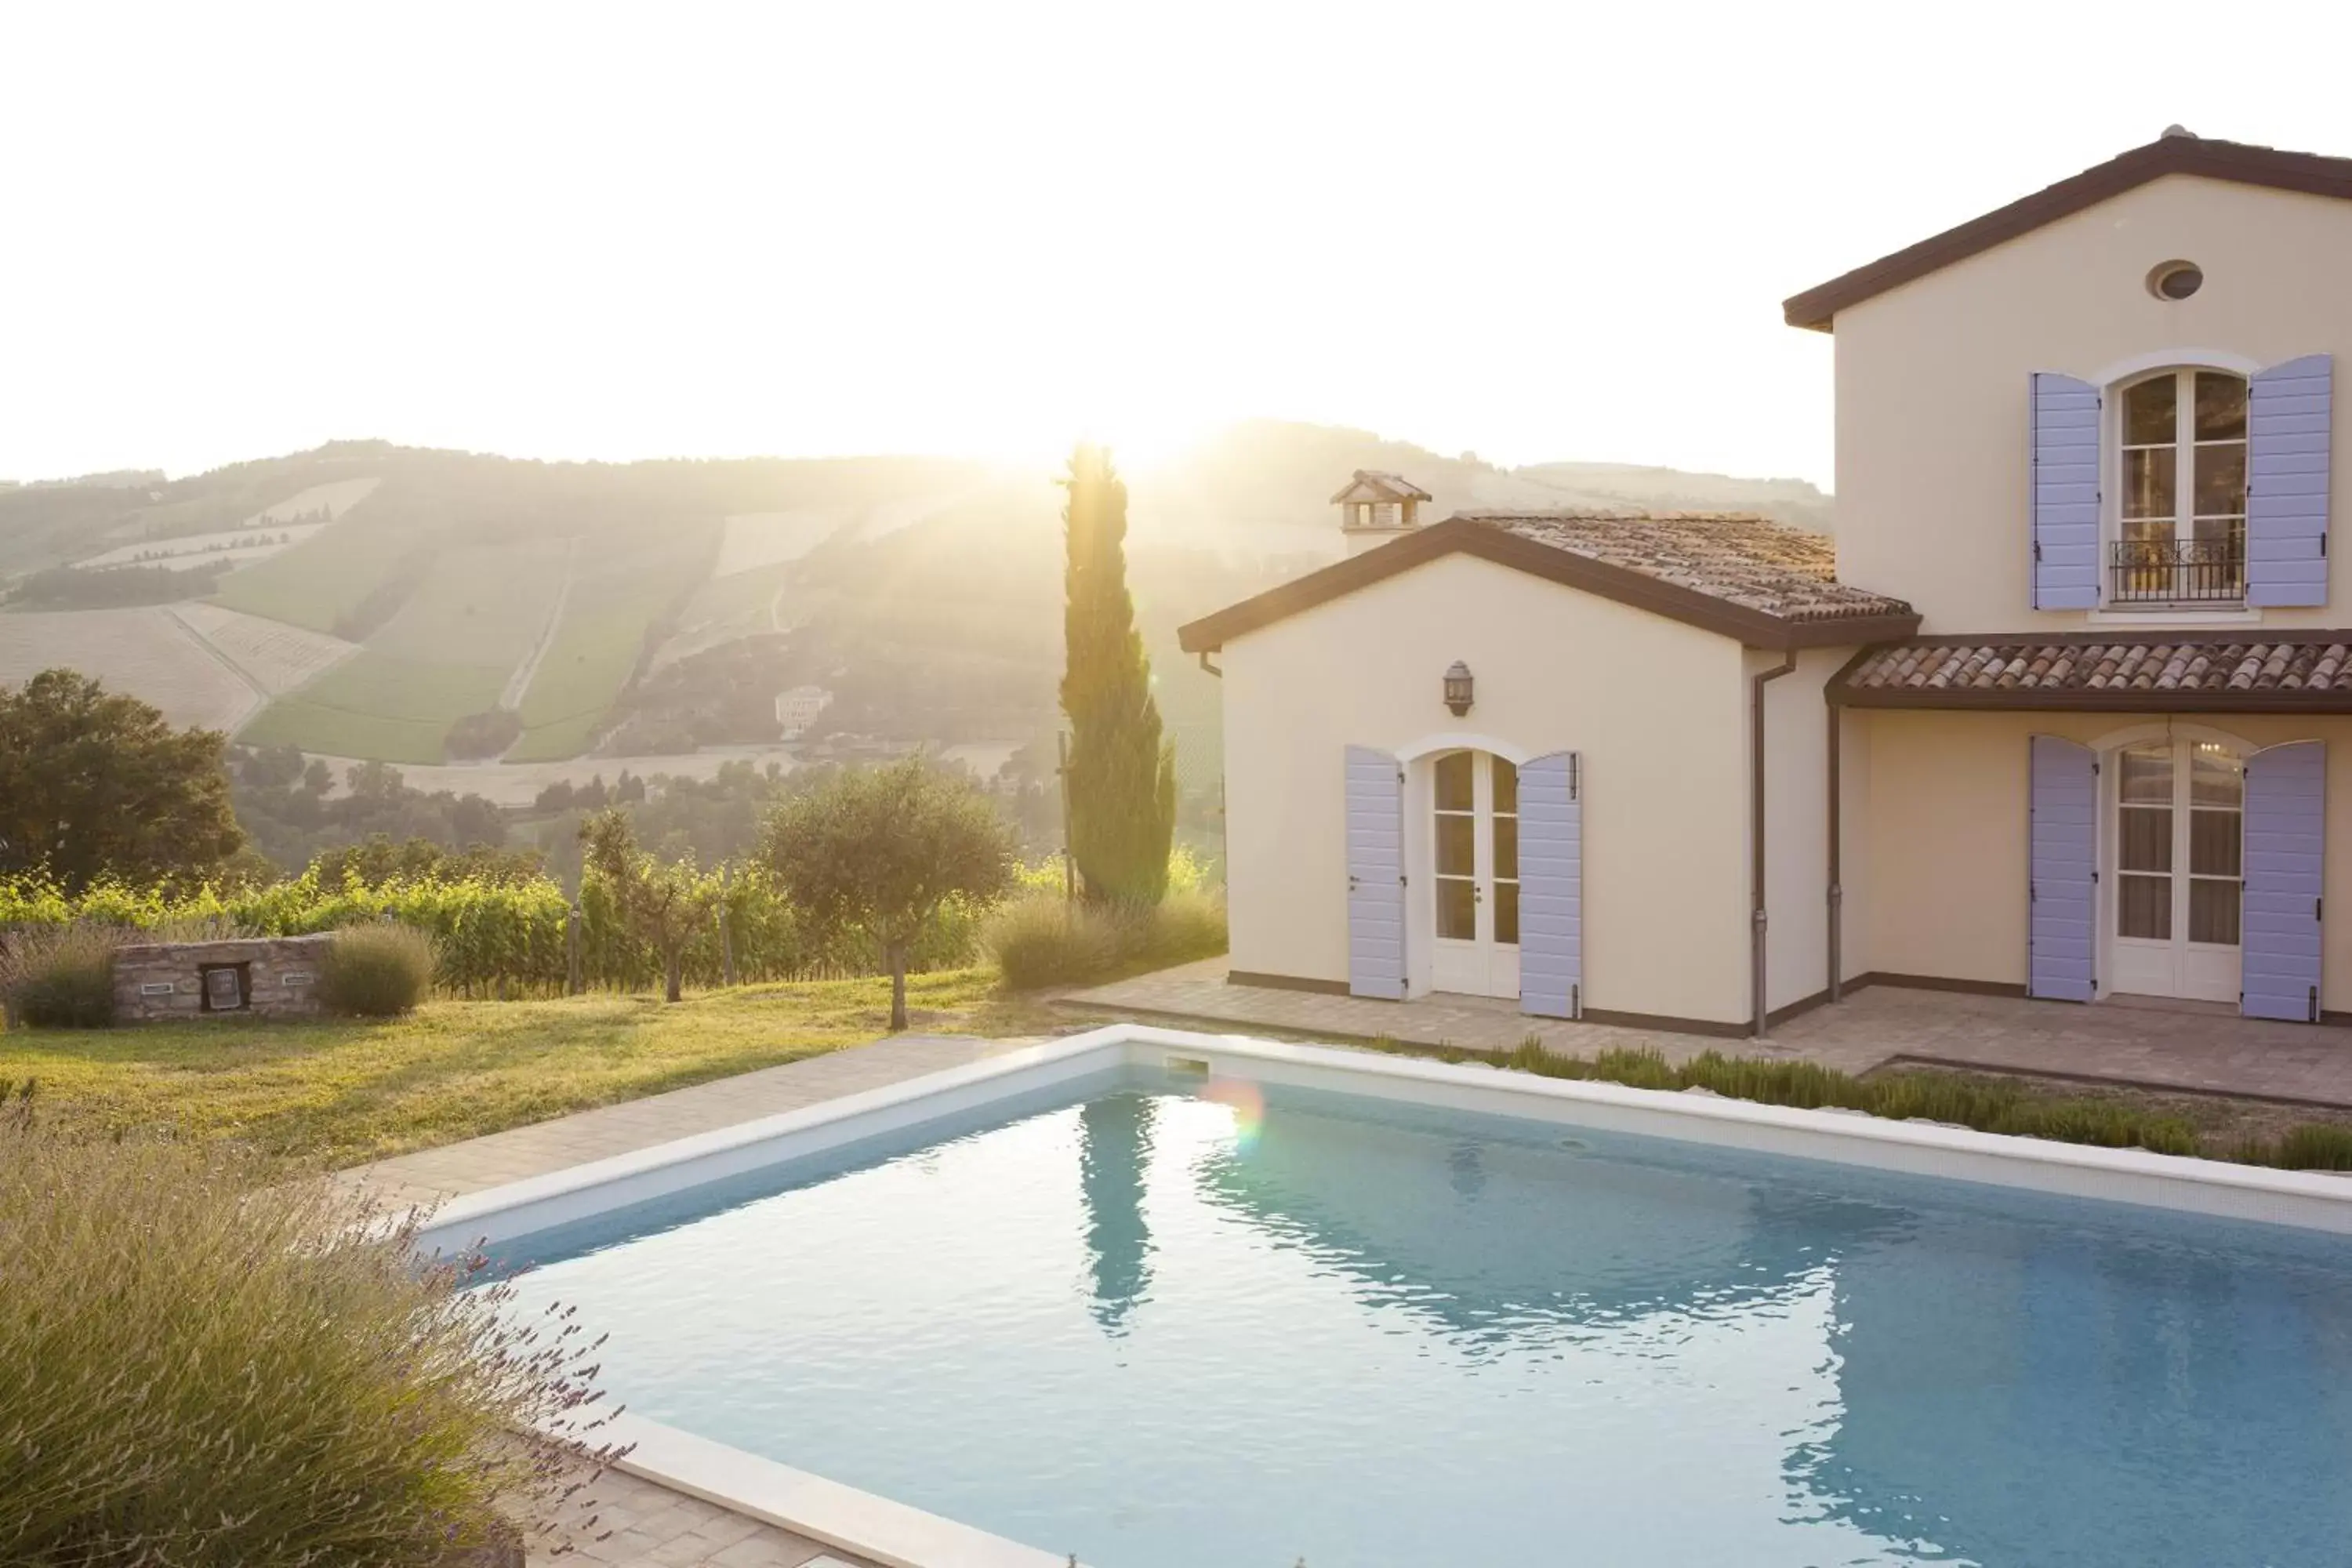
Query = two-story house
x=2051 y=717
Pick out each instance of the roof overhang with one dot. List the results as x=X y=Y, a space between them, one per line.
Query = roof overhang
x=2096 y=700
x=1460 y=536
x=2236 y=162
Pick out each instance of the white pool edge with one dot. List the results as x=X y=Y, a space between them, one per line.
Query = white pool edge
x=899 y=1536
x=890 y=1533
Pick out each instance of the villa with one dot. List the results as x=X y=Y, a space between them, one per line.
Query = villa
x=2050 y=716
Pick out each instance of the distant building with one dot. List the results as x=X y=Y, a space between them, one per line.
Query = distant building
x=797 y=709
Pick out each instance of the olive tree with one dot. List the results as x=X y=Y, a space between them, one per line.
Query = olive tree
x=878 y=850
x=664 y=904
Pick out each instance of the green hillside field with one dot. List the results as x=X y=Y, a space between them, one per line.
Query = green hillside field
x=612 y=606
x=320 y=584
x=375 y=706
x=449 y=651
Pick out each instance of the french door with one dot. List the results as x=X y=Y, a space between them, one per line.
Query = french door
x=1474 y=821
x=2179 y=837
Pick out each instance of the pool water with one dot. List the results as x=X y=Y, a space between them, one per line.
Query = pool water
x=1174 y=1327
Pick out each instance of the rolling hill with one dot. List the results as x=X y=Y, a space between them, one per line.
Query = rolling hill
x=373 y=596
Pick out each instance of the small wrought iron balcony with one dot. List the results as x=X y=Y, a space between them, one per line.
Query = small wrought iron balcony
x=2178 y=571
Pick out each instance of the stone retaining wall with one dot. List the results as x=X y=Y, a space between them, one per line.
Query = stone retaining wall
x=267 y=977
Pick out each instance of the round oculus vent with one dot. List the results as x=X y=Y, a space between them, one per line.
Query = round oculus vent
x=2175 y=279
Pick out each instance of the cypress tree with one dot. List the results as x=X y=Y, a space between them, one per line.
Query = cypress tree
x=1122 y=775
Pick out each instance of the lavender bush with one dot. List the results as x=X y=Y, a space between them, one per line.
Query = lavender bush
x=201 y=1364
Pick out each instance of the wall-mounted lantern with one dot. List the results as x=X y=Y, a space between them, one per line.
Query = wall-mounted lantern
x=1457 y=689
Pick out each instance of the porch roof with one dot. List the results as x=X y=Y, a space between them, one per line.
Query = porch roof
x=2155 y=672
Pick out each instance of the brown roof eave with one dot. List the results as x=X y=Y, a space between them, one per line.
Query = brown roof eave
x=2030 y=700
x=1756 y=628
x=2307 y=172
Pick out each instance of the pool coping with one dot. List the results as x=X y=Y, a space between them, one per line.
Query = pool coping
x=901 y=1536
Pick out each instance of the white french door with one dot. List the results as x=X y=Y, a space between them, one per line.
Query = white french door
x=1474 y=825
x=2178 y=841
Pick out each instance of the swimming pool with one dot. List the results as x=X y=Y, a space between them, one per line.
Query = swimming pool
x=1159 y=1320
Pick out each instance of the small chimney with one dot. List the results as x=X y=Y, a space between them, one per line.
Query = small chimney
x=1376 y=506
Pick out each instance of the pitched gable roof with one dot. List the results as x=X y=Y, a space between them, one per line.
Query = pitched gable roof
x=1763 y=582
x=1378 y=485
x=2175 y=152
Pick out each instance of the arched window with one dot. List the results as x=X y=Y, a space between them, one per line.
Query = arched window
x=2181 y=520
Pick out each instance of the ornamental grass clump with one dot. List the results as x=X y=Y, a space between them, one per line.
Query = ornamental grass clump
x=1045 y=939
x=377 y=971
x=58 y=977
x=205 y=1365
x=1185 y=925
x=2313 y=1146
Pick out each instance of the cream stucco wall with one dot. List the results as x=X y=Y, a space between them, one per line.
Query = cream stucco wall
x=1931 y=377
x=1657 y=709
x=1796 y=824
x=1857 y=811
x=1943 y=819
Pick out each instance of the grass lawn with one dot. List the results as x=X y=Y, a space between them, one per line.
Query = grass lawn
x=334 y=1093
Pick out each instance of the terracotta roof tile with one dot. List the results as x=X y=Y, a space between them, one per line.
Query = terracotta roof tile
x=1741 y=559
x=2102 y=668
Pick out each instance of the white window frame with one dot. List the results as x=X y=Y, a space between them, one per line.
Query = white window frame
x=2115 y=383
x=2177 y=965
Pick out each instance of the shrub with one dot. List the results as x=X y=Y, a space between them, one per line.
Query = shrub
x=1182 y=927
x=207 y=1366
x=2313 y=1146
x=377 y=971
x=61 y=978
x=1986 y=1104
x=1045 y=940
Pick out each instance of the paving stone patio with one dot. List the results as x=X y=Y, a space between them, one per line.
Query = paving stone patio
x=639 y=1523
x=434 y=1174
x=2175 y=1045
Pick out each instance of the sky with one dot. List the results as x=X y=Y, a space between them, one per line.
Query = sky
x=1537 y=231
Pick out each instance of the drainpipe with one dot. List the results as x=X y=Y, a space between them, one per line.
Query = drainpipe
x=1756 y=835
x=1224 y=833
x=1836 y=986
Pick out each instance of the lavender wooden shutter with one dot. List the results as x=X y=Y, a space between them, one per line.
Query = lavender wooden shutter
x=2288 y=410
x=1551 y=885
x=2064 y=837
x=2286 y=824
x=1375 y=807
x=2064 y=495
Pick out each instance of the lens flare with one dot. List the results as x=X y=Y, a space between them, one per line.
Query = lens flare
x=1248 y=1106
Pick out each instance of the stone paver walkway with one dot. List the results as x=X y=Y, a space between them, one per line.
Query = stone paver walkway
x=509 y=1156
x=643 y=1523
x=2183 y=1046
x=640 y=1523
